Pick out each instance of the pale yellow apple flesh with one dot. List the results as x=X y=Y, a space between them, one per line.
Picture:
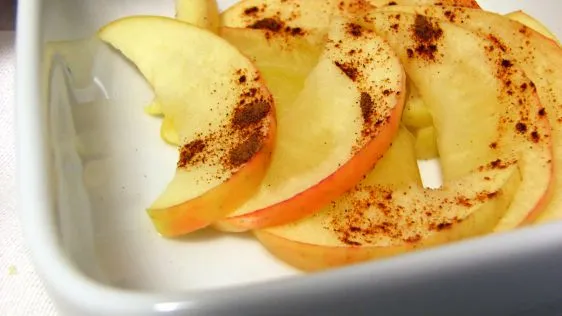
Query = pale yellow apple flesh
x=496 y=115
x=389 y=213
x=426 y=143
x=417 y=118
x=221 y=108
x=168 y=131
x=332 y=132
x=283 y=60
x=416 y=114
x=532 y=23
x=201 y=13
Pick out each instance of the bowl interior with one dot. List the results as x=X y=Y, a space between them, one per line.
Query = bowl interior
x=110 y=162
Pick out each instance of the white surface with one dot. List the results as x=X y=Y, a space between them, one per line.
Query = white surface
x=121 y=165
x=21 y=292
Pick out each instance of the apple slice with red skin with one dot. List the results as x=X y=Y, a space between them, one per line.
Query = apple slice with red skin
x=221 y=108
x=334 y=131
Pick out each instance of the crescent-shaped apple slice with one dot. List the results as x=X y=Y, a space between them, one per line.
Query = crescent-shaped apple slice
x=221 y=108
x=390 y=213
x=541 y=60
x=485 y=109
x=334 y=131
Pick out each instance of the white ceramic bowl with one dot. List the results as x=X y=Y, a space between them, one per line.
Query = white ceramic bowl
x=90 y=161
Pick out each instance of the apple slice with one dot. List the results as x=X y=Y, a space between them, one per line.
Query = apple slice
x=416 y=114
x=333 y=132
x=532 y=23
x=201 y=13
x=305 y=16
x=383 y=217
x=221 y=107
x=541 y=59
x=418 y=120
x=497 y=115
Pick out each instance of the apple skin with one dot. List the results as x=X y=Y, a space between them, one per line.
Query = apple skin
x=313 y=258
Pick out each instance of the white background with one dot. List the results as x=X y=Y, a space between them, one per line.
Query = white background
x=21 y=292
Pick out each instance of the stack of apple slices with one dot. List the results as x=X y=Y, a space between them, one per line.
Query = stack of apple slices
x=539 y=57
x=302 y=121
x=330 y=136
x=221 y=108
x=332 y=128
